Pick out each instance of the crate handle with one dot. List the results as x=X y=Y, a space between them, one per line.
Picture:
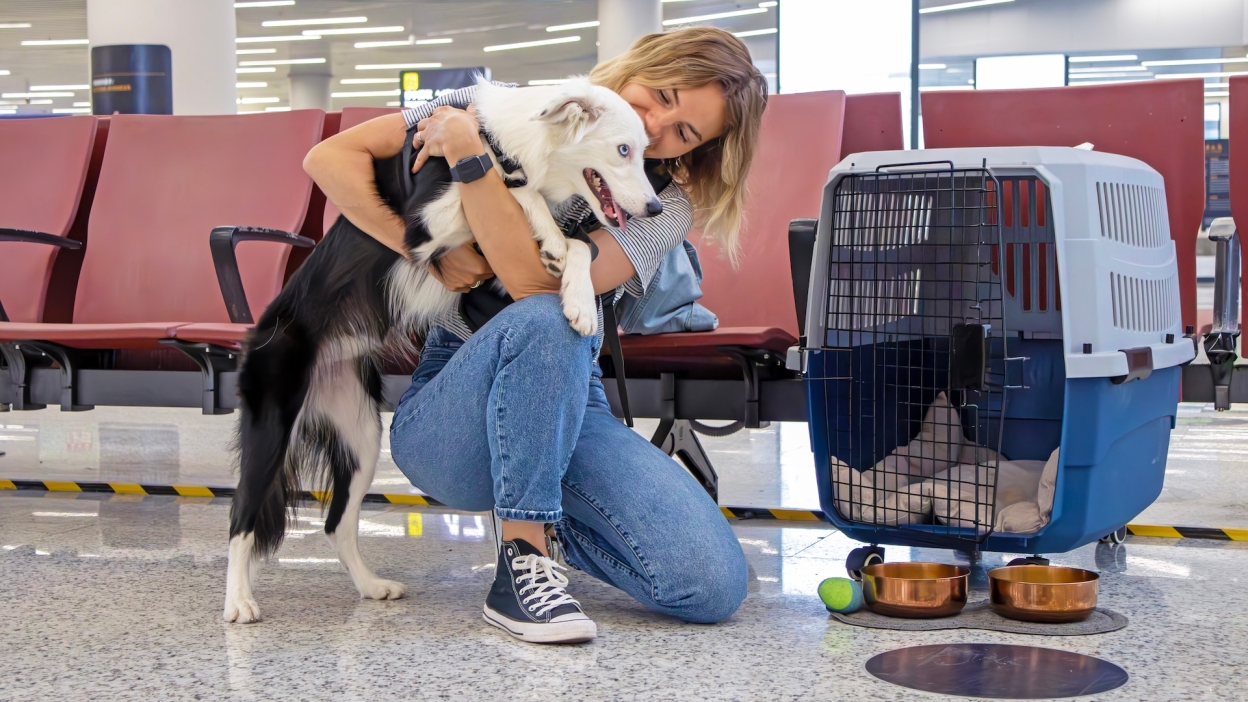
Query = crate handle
x=884 y=168
x=1021 y=373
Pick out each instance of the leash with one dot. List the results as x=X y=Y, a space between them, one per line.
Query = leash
x=612 y=332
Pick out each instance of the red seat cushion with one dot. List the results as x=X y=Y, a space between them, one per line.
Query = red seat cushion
x=217 y=333
x=46 y=163
x=704 y=343
x=143 y=335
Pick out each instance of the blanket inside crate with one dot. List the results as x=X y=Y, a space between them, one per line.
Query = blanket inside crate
x=942 y=477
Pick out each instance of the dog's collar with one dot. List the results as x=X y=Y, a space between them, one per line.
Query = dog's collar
x=515 y=177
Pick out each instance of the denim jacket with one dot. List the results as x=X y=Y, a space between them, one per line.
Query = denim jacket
x=670 y=302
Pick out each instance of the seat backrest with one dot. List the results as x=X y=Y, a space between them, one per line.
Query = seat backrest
x=351 y=117
x=798 y=143
x=45 y=166
x=872 y=123
x=166 y=182
x=1158 y=122
x=1239 y=171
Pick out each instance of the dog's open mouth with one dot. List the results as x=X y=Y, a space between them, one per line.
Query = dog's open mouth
x=613 y=212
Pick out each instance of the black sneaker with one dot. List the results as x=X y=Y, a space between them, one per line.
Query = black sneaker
x=528 y=599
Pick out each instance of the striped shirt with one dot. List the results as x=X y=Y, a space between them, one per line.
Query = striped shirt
x=645 y=241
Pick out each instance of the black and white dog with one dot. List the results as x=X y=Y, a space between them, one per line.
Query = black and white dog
x=310 y=382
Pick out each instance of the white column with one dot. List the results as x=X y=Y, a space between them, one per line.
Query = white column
x=622 y=22
x=200 y=36
x=309 y=91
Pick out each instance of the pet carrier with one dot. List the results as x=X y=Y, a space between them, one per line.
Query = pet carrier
x=992 y=349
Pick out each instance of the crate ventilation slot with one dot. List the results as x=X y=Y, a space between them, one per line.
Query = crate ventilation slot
x=881 y=221
x=1144 y=305
x=866 y=304
x=1133 y=214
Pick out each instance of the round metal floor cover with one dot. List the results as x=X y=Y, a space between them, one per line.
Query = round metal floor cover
x=996 y=671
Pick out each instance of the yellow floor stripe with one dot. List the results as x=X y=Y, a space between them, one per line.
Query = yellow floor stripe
x=727 y=513
x=55 y=486
x=320 y=495
x=7 y=485
x=192 y=491
x=794 y=515
x=1164 y=532
x=407 y=500
x=1237 y=534
x=127 y=488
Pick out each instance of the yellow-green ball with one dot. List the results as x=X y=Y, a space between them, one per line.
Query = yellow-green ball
x=841 y=595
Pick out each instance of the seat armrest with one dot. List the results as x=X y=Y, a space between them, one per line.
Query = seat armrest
x=222 y=241
x=801 y=256
x=27 y=236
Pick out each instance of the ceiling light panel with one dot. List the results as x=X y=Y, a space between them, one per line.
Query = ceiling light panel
x=256 y=69
x=60 y=87
x=354 y=30
x=394 y=66
x=282 y=62
x=1095 y=59
x=1194 y=62
x=574 y=25
x=367 y=81
x=961 y=6
x=56 y=42
x=248 y=52
x=14 y=25
x=264 y=3
x=531 y=44
x=311 y=22
x=715 y=16
x=755 y=32
x=288 y=37
x=366 y=93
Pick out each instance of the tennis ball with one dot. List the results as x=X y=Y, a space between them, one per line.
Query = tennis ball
x=841 y=595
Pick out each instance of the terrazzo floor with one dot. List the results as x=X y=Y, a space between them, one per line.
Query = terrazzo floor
x=119 y=598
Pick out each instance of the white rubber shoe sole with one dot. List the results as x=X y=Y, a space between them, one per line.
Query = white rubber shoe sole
x=569 y=631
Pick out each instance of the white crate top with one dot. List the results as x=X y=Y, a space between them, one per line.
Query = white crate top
x=1116 y=263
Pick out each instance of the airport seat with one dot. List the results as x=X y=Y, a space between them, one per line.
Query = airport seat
x=1239 y=168
x=1158 y=122
x=872 y=123
x=165 y=183
x=44 y=185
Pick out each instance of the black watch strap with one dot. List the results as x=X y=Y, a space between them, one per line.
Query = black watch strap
x=471 y=168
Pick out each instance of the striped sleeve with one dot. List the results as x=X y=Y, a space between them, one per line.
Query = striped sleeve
x=646 y=241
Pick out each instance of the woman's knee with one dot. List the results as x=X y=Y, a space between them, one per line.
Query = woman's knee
x=710 y=588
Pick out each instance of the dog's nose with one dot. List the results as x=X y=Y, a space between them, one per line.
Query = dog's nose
x=654 y=208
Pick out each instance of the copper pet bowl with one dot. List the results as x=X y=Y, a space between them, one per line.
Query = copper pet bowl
x=1035 y=593
x=915 y=590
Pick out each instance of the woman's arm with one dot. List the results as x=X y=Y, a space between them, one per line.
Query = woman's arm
x=342 y=166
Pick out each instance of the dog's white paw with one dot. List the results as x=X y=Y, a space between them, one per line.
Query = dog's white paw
x=241 y=610
x=382 y=589
x=554 y=251
x=581 y=313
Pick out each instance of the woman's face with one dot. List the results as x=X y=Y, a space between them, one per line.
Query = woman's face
x=677 y=120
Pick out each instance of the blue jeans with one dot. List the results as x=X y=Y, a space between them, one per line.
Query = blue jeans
x=516 y=420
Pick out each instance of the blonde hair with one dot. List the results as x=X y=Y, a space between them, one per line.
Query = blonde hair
x=714 y=172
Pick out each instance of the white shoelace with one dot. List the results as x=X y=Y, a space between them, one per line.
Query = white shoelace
x=547 y=595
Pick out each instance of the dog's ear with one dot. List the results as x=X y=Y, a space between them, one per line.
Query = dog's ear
x=575 y=113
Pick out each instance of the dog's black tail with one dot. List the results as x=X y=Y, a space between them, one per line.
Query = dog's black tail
x=273 y=384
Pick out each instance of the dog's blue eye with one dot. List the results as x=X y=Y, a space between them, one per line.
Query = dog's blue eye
x=624 y=150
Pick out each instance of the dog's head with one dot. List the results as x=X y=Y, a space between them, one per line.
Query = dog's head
x=597 y=144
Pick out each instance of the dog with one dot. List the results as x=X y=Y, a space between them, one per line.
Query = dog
x=310 y=381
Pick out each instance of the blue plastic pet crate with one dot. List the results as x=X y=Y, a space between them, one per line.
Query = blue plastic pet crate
x=1037 y=289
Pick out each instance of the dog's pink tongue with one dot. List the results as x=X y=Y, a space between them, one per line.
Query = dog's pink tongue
x=621 y=217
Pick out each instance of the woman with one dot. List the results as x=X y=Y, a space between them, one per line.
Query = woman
x=506 y=410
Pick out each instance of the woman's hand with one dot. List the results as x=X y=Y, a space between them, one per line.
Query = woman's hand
x=447 y=133
x=462 y=269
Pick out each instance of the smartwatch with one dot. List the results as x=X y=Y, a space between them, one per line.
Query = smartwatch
x=471 y=168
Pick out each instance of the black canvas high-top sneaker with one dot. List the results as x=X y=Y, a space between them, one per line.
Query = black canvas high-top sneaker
x=529 y=600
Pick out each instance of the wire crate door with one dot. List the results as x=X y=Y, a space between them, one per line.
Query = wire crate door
x=916 y=349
